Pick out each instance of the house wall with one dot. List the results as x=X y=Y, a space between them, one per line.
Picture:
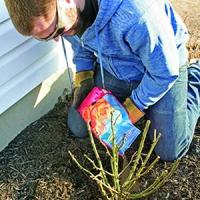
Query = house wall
x=32 y=76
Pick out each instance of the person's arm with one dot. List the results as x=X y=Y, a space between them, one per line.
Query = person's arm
x=153 y=41
x=82 y=58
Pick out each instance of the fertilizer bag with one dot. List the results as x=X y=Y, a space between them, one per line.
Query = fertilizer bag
x=102 y=112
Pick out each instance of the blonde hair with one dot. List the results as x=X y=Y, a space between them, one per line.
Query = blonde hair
x=22 y=12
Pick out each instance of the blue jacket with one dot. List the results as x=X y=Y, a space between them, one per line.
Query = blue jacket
x=137 y=40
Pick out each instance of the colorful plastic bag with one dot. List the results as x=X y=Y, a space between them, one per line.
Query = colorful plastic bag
x=97 y=109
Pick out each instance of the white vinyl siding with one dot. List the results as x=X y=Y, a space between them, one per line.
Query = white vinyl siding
x=3 y=12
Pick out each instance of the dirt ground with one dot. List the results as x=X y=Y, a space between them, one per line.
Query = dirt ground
x=36 y=164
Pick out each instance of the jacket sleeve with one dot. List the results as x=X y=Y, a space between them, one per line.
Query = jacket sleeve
x=153 y=41
x=83 y=59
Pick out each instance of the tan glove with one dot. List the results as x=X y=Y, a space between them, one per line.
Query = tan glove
x=84 y=82
x=134 y=113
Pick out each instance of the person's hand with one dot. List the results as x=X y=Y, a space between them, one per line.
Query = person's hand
x=134 y=113
x=84 y=82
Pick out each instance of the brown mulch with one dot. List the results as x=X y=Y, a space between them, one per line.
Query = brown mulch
x=36 y=164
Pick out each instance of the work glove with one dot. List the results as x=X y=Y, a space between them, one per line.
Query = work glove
x=84 y=82
x=134 y=113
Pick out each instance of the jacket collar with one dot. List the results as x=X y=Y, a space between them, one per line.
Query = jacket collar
x=107 y=8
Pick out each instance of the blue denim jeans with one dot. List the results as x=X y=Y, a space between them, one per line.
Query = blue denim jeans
x=174 y=116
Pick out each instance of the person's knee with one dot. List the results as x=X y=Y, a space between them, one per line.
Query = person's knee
x=76 y=124
x=172 y=153
x=168 y=156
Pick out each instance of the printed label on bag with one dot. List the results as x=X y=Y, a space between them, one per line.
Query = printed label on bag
x=107 y=117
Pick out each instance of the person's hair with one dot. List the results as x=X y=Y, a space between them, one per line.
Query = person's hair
x=22 y=12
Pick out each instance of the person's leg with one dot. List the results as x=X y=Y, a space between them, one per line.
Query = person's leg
x=193 y=93
x=176 y=114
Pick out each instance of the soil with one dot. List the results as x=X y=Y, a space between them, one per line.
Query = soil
x=36 y=165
